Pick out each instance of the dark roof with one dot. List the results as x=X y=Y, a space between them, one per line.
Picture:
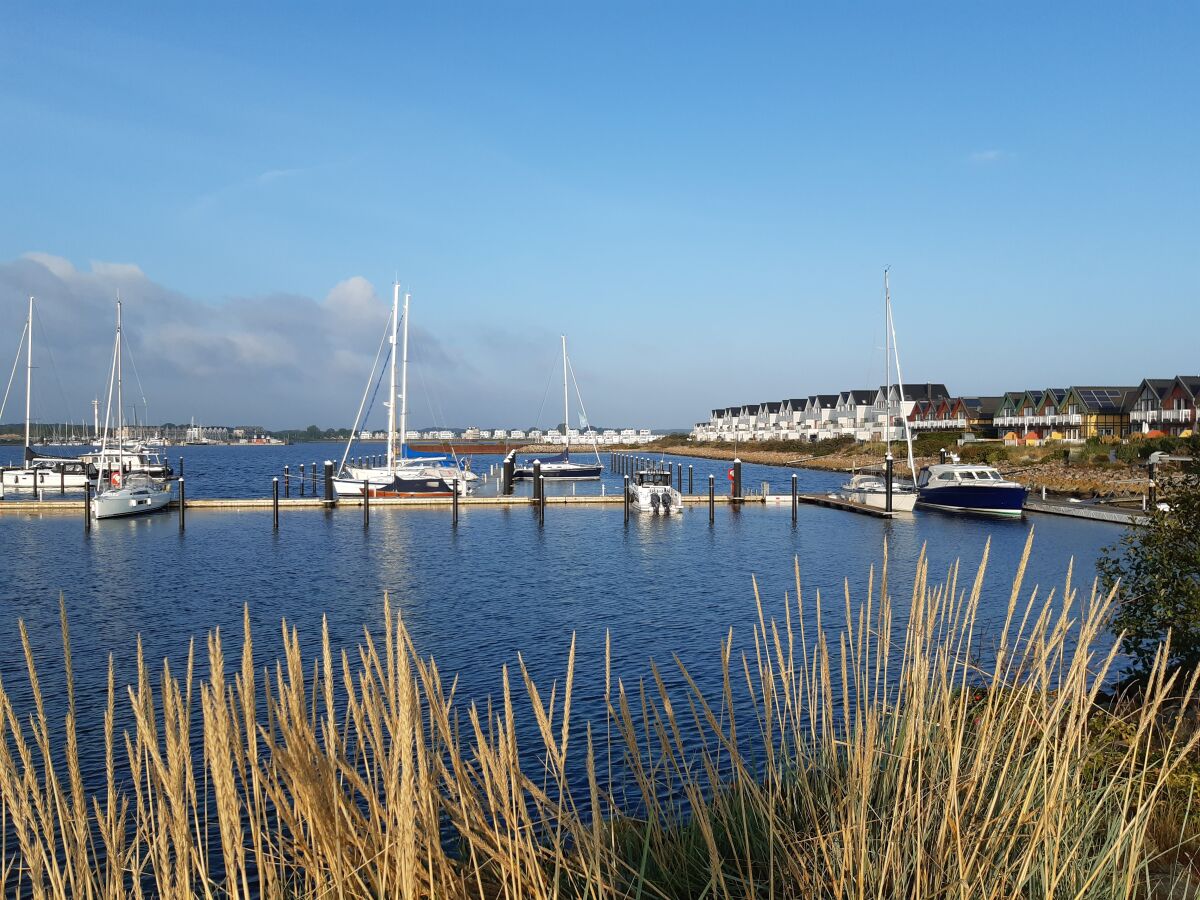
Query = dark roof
x=772 y=405
x=927 y=391
x=717 y=412
x=827 y=399
x=983 y=406
x=1159 y=385
x=733 y=410
x=1190 y=383
x=862 y=396
x=797 y=402
x=750 y=409
x=1106 y=399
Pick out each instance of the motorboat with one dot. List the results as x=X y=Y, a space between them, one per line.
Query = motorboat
x=966 y=487
x=650 y=491
x=559 y=467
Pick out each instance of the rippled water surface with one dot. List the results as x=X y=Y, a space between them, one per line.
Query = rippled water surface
x=475 y=595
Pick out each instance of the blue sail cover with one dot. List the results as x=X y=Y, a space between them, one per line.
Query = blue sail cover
x=557 y=458
x=407 y=452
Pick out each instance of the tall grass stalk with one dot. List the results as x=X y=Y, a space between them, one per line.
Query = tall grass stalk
x=877 y=759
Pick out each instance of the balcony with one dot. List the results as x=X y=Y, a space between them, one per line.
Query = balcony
x=1177 y=415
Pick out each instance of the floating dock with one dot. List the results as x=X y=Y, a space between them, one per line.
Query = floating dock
x=1086 y=511
x=839 y=503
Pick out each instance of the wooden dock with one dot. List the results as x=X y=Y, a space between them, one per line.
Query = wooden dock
x=844 y=505
x=1086 y=511
x=75 y=506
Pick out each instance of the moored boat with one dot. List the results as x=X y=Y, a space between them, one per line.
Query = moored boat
x=966 y=487
x=559 y=466
x=651 y=491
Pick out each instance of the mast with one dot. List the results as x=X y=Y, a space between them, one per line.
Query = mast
x=95 y=418
x=391 y=447
x=566 y=408
x=120 y=403
x=28 y=377
x=887 y=367
x=887 y=296
x=404 y=378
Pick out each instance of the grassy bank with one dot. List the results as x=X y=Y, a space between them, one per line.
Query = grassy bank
x=881 y=760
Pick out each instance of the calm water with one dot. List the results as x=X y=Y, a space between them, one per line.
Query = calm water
x=476 y=595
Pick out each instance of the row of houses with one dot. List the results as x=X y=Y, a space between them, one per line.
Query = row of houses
x=609 y=437
x=1075 y=414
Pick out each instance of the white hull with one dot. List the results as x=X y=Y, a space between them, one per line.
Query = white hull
x=901 y=502
x=47 y=479
x=655 y=499
x=134 y=501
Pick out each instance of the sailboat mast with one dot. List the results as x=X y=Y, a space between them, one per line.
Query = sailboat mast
x=28 y=375
x=887 y=367
x=887 y=296
x=391 y=437
x=566 y=408
x=404 y=380
x=120 y=402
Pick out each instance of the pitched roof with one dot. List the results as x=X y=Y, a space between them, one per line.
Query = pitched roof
x=1190 y=383
x=827 y=400
x=1106 y=399
x=1159 y=385
x=770 y=406
x=862 y=396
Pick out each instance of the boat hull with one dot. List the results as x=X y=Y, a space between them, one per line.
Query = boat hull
x=395 y=487
x=988 y=500
x=902 y=501
x=119 y=504
x=561 y=472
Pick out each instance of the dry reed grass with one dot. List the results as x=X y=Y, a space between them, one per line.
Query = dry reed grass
x=880 y=768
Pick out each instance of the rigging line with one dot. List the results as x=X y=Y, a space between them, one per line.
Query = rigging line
x=16 y=362
x=579 y=397
x=546 y=392
x=53 y=368
x=141 y=390
x=438 y=415
x=387 y=330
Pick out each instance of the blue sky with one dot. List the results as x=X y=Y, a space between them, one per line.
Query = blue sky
x=701 y=196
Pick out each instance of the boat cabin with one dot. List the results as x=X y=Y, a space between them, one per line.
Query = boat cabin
x=647 y=478
x=944 y=475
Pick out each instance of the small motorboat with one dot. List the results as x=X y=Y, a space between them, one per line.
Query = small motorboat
x=871 y=490
x=651 y=491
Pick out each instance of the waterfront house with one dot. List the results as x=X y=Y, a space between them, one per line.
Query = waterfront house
x=981 y=414
x=747 y=421
x=1180 y=405
x=791 y=417
x=1092 y=411
x=1008 y=413
x=1146 y=415
x=766 y=420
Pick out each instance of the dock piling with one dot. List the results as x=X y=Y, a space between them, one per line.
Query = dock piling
x=366 y=503
x=795 y=499
x=737 y=479
x=287 y=482
x=182 y=505
x=889 y=471
x=275 y=503
x=679 y=477
x=690 y=491
x=87 y=506
x=181 y=467
x=538 y=485
x=626 y=501
x=328 y=483
x=1153 y=489
x=507 y=473
x=541 y=479
x=314 y=479
x=301 y=479
x=62 y=478
x=712 y=501
x=454 y=506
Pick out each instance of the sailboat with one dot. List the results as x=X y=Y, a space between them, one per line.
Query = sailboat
x=400 y=476
x=40 y=470
x=127 y=493
x=870 y=489
x=560 y=467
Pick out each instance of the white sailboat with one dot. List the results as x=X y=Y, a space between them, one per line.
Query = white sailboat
x=400 y=476
x=559 y=466
x=39 y=471
x=870 y=489
x=118 y=492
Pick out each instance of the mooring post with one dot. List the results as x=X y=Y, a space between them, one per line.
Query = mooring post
x=366 y=503
x=888 y=472
x=301 y=479
x=454 y=505
x=182 y=504
x=541 y=498
x=275 y=503
x=1153 y=492
x=287 y=482
x=314 y=479
x=181 y=467
x=626 y=500
x=712 y=501
x=679 y=477
x=87 y=506
x=690 y=491
x=737 y=479
x=328 y=483
x=795 y=499
x=507 y=473
x=538 y=486
x=62 y=478
x=942 y=456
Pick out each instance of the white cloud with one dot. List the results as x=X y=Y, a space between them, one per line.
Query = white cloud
x=276 y=360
